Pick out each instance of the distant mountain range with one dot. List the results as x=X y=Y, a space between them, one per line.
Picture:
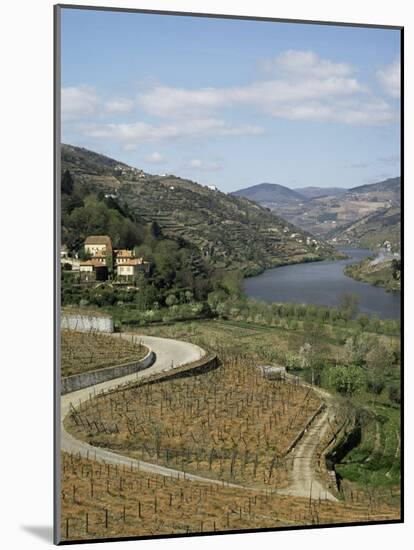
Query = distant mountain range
x=230 y=232
x=270 y=194
x=366 y=214
x=315 y=192
x=273 y=194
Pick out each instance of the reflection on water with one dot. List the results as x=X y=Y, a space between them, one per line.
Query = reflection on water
x=322 y=283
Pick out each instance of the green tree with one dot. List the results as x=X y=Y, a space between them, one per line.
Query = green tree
x=110 y=263
x=348 y=305
x=189 y=296
x=379 y=359
x=394 y=394
x=363 y=321
x=292 y=361
x=356 y=348
x=309 y=359
x=67 y=183
x=347 y=380
x=216 y=301
x=396 y=269
x=171 y=300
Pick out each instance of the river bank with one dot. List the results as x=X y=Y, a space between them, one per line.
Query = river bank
x=384 y=273
x=322 y=283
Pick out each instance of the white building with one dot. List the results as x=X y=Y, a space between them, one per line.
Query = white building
x=98 y=245
x=129 y=268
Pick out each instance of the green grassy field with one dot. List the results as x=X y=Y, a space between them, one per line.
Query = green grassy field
x=376 y=460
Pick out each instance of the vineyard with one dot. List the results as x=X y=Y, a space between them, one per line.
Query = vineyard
x=106 y=501
x=376 y=461
x=82 y=352
x=230 y=424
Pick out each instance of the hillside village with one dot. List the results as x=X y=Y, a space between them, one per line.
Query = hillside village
x=102 y=262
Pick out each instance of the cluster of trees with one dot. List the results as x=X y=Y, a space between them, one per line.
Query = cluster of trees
x=233 y=305
x=365 y=362
x=396 y=269
x=178 y=273
x=85 y=212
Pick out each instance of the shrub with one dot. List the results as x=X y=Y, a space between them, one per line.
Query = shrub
x=375 y=386
x=171 y=300
x=347 y=380
x=394 y=394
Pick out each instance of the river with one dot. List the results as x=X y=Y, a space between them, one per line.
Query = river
x=322 y=283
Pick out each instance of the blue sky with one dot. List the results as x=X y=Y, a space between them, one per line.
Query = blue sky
x=233 y=103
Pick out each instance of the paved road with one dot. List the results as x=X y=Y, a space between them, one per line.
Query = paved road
x=171 y=354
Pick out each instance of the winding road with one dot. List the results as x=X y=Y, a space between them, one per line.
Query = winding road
x=171 y=354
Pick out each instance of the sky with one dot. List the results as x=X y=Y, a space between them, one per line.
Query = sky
x=233 y=103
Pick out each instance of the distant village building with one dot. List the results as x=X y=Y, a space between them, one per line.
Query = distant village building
x=93 y=270
x=126 y=265
x=64 y=251
x=122 y=255
x=98 y=245
x=129 y=269
x=66 y=260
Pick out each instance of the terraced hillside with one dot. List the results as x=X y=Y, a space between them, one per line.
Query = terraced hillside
x=361 y=216
x=229 y=232
x=371 y=231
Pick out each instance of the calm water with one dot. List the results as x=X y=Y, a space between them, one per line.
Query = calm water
x=322 y=283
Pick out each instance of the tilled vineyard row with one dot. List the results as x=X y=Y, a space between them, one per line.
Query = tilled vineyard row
x=230 y=424
x=106 y=501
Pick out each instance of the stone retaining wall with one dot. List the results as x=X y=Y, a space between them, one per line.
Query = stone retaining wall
x=205 y=364
x=85 y=379
x=86 y=323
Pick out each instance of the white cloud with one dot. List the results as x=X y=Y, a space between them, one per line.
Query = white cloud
x=203 y=165
x=306 y=88
x=389 y=76
x=78 y=101
x=83 y=101
x=119 y=105
x=334 y=99
x=296 y=85
x=142 y=132
x=306 y=63
x=155 y=158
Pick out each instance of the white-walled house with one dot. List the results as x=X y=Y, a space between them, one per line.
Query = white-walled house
x=123 y=255
x=129 y=268
x=98 y=245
